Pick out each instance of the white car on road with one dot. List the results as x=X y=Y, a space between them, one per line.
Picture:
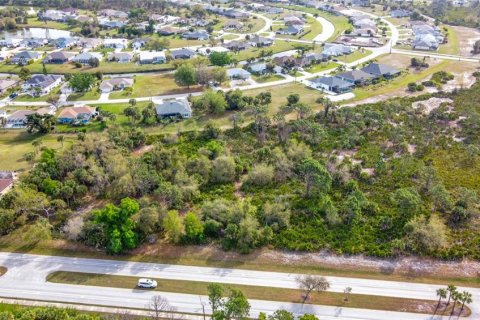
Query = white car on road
x=147 y=283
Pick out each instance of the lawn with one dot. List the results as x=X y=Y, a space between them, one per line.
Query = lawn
x=452 y=46
x=267 y=78
x=36 y=23
x=29 y=98
x=398 y=83
x=314 y=30
x=89 y=95
x=340 y=22
x=252 y=292
x=322 y=67
x=105 y=68
x=254 y=52
x=154 y=85
x=356 y=55
x=15 y=144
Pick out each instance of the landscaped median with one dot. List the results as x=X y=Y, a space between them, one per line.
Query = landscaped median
x=259 y=292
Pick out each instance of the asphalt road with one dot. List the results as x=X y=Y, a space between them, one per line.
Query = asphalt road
x=26 y=279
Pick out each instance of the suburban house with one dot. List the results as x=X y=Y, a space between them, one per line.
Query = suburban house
x=426 y=42
x=86 y=57
x=113 y=14
x=357 y=77
x=6 y=84
x=236 y=46
x=293 y=21
x=263 y=68
x=232 y=25
x=90 y=43
x=168 y=31
x=115 y=43
x=336 y=49
x=41 y=84
x=151 y=57
x=115 y=84
x=18 y=119
x=238 y=74
x=173 y=108
x=234 y=14
x=182 y=54
x=196 y=35
x=291 y=30
x=23 y=57
x=59 y=57
x=6 y=181
x=63 y=43
x=259 y=41
x=11 y=42
x=378 y=70
x=120 y=57
x=400 y=13
x=205 y=51
x=139 y=43
x=111 y=24
x=34 y=42
x=4 y=55
x=76 y=115
x=332 y=84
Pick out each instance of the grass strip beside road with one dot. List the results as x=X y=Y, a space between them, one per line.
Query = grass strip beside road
x=254 y=292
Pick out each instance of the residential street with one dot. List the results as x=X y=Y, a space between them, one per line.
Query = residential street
x=25 y=279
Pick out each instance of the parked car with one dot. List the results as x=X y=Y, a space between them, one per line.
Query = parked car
x=147 y=283
x=13 y=95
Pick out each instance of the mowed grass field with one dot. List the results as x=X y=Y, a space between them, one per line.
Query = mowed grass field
x=15 y=144
x=154 y=85
x=254 y=292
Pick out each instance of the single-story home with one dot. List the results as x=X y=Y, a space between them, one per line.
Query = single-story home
x=182 y=54
x=41 y=84
x=152 y=57
x=121 y=57
x=259 y=41
x=196 y=35
x=139 y=43
x=23 y=57
x=115 y=84
x=115 y=43
x=355 y=76
x=90 y=43
x=86 y=57
x=293 y=21
x=205 y=51
x=378 y=70
x=232 y=25
x=77 y=115
x=332 y=84
x=238 y=74
x=237 y=45
x=59 y=57
x=400 y=13
x=18 y=119
x=6 y=84
x=173 y=108
x=336 y=49
x=427 y=42
x=63 y=43
x=7 y=178
x=291 y=30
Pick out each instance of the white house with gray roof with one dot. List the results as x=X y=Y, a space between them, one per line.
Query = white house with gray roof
x=173 y=108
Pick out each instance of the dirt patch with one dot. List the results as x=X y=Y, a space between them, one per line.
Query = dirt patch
x=141 y=150
x=466 y=39
x=430 y=104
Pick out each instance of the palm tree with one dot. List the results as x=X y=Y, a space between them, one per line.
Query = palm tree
x=442 y=294
x=37 y=144
x=455 y=297
x=61 y=139
x=451 y=289
x=465 y=298
x=346 y=291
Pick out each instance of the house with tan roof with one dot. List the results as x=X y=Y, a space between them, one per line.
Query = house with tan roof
x=76 y=115
x=115 y=84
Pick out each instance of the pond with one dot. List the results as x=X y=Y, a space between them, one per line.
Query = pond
x=41 y=33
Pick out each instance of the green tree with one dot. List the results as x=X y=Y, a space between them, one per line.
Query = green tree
x=173 y=226
x=24 y=74
x=236 y=306
x=220 y=58
x=185 y=75
x=308 y=316
x=212 y=101
x=316 y=177
x=281 y=315
x=441 y=294
x=82 y=82
x=119 y=225
x=193 y=228
x=223 y=170
x=465 y=298
x=40 y=123
x=215 y=296
x=219 y=74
